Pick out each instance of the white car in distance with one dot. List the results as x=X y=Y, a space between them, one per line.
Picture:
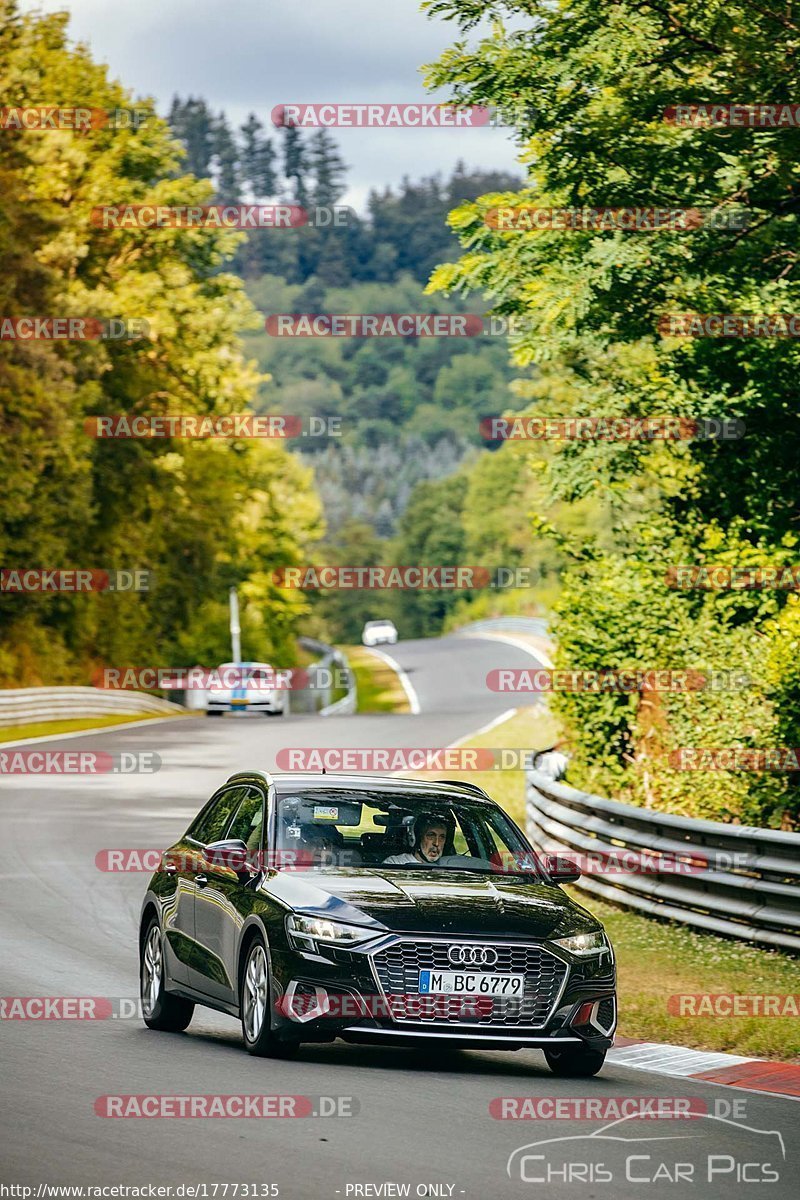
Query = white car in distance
x=377 y=632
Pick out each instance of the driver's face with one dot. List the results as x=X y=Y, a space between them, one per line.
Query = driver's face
x=431 y=844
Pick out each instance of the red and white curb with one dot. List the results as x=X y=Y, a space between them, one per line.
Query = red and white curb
x=752 y=1074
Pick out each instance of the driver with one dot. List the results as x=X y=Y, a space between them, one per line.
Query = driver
x=430 y=838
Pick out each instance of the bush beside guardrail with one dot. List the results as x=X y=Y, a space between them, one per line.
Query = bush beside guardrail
x=749 y=888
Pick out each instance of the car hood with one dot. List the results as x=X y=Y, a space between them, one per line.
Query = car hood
x=435 y=901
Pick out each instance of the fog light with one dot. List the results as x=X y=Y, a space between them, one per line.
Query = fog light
x=599 y=1015
x=584 y=1014
x=305 y=1002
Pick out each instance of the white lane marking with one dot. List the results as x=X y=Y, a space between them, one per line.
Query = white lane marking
x=667 y=1059
x=664 y=1059
x=505 y=716
x=538 y=656
x=62 y=737
x=405 y=682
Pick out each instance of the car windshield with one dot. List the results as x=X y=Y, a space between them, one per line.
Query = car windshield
x=325 y=829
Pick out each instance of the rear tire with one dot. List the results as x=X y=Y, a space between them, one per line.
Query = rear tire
x=575 y=1062
x=255 y=1003
x=213 y=712
x=160 y=1009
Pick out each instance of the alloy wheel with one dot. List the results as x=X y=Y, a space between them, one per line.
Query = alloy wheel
x=256 y=992
x=152 y=967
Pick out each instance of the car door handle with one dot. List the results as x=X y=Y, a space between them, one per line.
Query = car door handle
x=201 y=880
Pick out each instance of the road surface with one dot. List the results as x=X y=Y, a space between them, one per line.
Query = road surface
x=422 y=1120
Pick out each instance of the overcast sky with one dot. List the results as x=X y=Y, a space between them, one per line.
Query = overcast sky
x=254 y=54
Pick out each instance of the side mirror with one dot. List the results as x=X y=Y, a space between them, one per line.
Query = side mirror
x=562 y=870
x=232 y=854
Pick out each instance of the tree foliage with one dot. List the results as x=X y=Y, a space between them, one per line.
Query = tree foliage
x=592 y=84
x=200 y=515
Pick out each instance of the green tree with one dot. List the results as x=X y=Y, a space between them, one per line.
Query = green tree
x=226 y=156
x=430 y=534
x=295 y=164
x=328 y=167
x=258 y=158
x=201 y=515
x=345 y=611
x=192 y=121
x=591 y=85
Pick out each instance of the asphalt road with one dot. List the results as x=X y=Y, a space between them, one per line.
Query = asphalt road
x=422 y=1120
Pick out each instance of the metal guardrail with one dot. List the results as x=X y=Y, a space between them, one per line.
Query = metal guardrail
x=28 y=706
x=735 y=880
x=330 y=658
x=535 y=625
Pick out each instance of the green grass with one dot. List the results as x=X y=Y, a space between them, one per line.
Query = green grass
x=658 y=959
x=13 y=733
x=378 y=686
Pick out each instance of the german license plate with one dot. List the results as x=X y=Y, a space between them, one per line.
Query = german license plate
x=470 y=983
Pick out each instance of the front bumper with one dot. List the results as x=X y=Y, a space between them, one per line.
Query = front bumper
x=264 y=704
x=350 y=993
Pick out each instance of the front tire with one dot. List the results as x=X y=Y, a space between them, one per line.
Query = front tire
x=255 y=1002
x=574 y=1062
x=160 y=1009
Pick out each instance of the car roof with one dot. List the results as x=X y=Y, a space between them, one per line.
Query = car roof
x=286 y=782
x=244 y=664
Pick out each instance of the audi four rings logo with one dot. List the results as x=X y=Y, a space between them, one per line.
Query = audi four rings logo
x=472 y=956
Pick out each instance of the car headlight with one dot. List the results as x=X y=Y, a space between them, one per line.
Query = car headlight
x=305 y=932
x=585 y=943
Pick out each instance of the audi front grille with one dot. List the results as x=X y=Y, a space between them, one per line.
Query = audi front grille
x=397 y=969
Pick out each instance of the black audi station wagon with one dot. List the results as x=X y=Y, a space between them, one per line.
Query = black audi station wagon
x=315 y=907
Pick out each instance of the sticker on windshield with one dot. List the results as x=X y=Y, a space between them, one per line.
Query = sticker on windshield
x=326 y=812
